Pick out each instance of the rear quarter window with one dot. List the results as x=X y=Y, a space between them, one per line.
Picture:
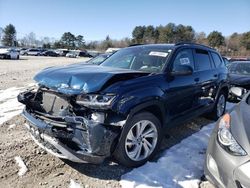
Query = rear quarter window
x=217 y=60
x=202 y=60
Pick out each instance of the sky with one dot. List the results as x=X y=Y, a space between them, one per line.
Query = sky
x=117 y=18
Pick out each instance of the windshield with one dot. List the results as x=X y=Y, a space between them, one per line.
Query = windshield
x=240 y=68
x=141 y=58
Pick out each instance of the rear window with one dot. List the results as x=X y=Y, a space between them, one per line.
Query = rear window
x=217 y=60
x=202 y=60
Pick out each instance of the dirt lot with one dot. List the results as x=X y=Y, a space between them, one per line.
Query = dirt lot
x=15 y=73
x=44 y=170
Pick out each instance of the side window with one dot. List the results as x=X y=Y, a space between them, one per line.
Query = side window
x=184 y=57
x=202 y=60
x=217 y=60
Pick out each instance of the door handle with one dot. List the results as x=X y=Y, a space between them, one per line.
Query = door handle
x=215 y=75
x=197 y=79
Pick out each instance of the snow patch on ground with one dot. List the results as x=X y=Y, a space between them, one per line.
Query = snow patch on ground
x=9 y=106
x=179 y=166
x=23 y=168
x=229 y=106
x=73 y=184
x=11 y=126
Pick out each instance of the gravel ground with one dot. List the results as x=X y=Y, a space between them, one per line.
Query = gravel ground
x=15 y=73
x=44 y=170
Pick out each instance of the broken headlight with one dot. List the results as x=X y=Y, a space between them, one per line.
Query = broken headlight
x=226 y=139
x=95 y=101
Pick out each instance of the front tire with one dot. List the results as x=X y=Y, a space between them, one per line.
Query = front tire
x=139 y=141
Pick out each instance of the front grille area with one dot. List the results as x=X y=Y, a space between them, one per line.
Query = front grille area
x=54 y=104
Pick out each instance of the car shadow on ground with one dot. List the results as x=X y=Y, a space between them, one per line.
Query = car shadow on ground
x=20 y=59
x=110 y=170
x=176 y=134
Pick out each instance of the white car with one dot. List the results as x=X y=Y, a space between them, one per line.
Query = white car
x=72 y=54
x=9 y=53
x=32 y=51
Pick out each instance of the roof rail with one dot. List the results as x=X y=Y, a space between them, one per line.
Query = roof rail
x=135 y=45
x=192 y=43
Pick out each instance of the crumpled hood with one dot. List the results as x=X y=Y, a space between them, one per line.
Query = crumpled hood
x=240 y=80
x=81 y=78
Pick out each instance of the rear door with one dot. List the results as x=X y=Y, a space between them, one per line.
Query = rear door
x=207 y=79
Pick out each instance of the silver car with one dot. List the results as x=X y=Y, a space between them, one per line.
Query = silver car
x=32 y=51
x=227 y=161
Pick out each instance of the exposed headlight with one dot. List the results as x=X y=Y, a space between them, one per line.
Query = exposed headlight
x=226 y=138
x=95 y=101
x=238 y=91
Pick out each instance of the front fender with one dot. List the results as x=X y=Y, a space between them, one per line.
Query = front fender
x=139 y=99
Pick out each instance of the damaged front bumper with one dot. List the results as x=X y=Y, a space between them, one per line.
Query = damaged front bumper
x=77 y=139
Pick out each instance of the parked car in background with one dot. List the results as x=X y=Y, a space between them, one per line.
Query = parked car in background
x=62 y=52
x=94 y=53
x=20 y=50
x=9 y=53
x=123 y=106
x=112 y=50
x=99 y=59
x=32 y=51
x=239 y=76
x=77 y=53
x=84 y=54
x=72 y=54
x=238 y=59
x=227 y=161
x=50 y=53
x=226 y=61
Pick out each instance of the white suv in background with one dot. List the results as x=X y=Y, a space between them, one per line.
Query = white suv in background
x=32 y=51
x=9 y=53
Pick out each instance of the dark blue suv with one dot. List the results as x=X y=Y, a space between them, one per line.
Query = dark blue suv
x=86 y=113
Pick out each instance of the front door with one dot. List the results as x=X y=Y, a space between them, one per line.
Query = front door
x=181 y=94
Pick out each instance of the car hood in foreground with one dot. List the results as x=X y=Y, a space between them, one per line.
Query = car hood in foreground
x=240 y=126
x=239 y=80
x=83 y=78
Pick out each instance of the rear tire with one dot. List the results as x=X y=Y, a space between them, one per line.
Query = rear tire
x=139 y=141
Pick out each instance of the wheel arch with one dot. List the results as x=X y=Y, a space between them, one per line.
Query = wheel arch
x=154 y=107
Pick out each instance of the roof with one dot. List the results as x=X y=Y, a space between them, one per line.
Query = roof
x=172 y=46
x=236 y=62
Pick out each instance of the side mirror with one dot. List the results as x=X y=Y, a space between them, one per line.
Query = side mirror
x=183 y=70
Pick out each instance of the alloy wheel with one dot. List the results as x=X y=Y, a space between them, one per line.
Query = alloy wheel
x=141 y=140
x=221 y=105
